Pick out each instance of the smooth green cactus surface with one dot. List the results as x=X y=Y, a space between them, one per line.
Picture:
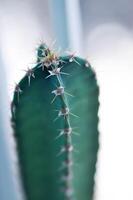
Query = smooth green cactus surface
x=55 y=120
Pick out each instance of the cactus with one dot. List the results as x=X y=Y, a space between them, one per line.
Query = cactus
x=54 y=116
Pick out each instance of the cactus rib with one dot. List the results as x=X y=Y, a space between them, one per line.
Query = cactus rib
x=68 y=147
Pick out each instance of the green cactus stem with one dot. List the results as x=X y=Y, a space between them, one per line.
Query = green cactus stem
x=55 y=121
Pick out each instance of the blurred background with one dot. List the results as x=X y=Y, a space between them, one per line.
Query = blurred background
x=101 y=31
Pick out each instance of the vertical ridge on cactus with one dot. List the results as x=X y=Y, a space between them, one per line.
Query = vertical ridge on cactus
x=55 y=121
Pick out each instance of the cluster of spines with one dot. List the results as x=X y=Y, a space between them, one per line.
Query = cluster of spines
x=48 y=59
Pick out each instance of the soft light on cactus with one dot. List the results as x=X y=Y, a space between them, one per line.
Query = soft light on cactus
x=55 y=119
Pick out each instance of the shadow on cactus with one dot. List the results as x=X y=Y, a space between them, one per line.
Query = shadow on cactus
x=55 y=121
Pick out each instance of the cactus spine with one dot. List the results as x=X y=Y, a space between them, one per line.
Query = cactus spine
x=55 y=100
